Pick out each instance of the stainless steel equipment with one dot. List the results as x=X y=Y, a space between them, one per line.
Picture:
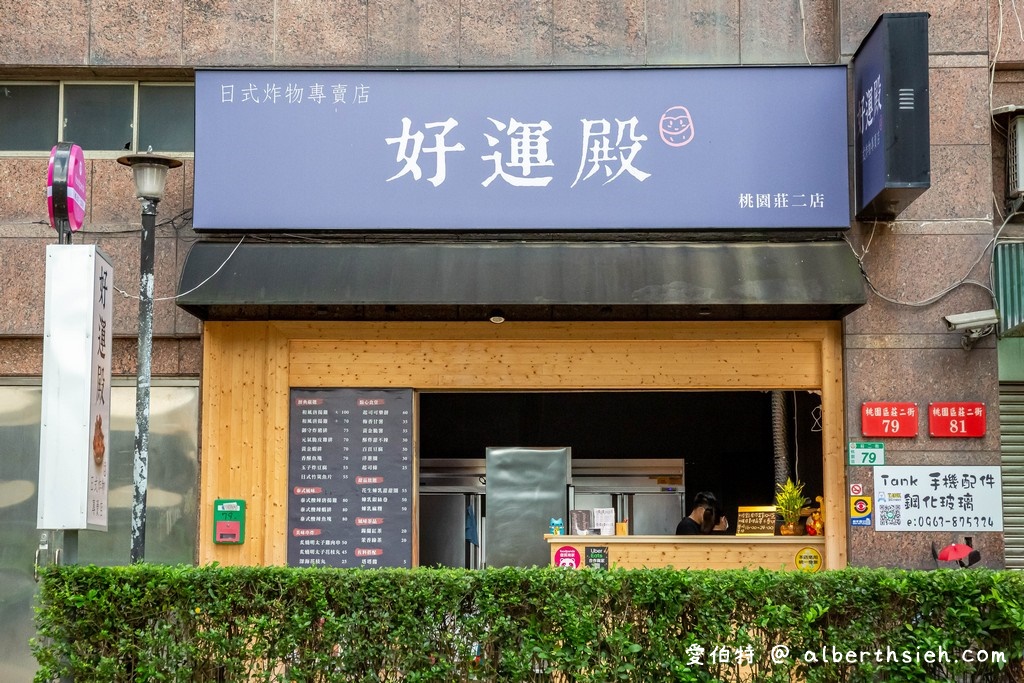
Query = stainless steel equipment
x=526 y=487
x=450 y=503
x=505 y=492
x=648 y=492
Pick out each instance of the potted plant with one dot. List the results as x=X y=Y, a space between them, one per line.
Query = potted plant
x=789 y=503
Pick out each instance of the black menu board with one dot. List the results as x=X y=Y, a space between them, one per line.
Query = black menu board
x=756 y=520
x=350 y=478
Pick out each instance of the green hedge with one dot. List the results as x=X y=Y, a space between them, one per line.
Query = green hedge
x=159 y=623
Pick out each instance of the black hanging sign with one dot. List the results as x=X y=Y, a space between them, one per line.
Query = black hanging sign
x=891 y=122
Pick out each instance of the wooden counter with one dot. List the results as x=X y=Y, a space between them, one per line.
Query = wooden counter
x=690 y=552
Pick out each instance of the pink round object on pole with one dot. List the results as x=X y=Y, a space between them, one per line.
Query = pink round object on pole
x=66 y=186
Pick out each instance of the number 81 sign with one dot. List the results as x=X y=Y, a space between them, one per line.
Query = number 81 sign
x=956 y=420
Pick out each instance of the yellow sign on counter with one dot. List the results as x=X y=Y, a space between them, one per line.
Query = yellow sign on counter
x=755 y=520
x=807 y=559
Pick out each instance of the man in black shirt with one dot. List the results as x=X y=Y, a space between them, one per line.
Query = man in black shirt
x=704 y=517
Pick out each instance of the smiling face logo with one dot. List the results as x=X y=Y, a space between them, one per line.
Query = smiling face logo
x=676 y=126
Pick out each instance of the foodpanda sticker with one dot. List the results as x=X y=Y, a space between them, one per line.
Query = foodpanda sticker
x=568 y=557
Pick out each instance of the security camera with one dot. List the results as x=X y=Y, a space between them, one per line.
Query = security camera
x=975 y=320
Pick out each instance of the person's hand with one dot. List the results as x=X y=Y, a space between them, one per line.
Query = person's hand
x=723 y=524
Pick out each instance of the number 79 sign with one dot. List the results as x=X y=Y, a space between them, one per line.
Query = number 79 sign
x=866 y=453
x=897 y=420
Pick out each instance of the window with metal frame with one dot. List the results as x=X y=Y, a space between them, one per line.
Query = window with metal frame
x=104 y=118
x=28 y=112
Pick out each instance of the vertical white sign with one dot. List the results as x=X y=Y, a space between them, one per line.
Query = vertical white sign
x=74 y=443
x=99 y=415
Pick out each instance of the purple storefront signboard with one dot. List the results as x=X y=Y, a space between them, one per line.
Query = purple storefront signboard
x=712 y=148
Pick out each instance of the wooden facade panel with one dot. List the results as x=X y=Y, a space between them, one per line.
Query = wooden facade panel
x=833 y=444
x=708 y=331
x=468 y=379
x=275 y=429
x=249 y=368
x=322 y=351
x=552 y=364
x=716 y=552
x=244 y=416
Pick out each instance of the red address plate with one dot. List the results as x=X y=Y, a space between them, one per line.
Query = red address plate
x=879 y=418
x=956 y=420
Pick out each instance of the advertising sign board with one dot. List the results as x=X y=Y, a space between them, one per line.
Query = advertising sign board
x=74 y=441
x=939 y=498
x=723 y=148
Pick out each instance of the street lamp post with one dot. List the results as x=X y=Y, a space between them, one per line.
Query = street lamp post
x=150 y=174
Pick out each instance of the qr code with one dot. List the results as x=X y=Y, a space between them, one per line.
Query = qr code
x=889 y=515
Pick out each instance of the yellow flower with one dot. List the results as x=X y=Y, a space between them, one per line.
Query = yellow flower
x=198 y=610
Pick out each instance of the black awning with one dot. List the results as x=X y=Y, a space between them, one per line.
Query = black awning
x=526 y=280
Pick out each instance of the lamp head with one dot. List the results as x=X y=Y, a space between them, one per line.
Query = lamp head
x=150 y=173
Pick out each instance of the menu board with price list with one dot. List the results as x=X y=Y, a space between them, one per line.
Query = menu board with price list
x=756 y=520
x=350 y=478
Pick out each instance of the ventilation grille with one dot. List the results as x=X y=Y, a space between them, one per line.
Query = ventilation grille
x=1014 y=157
x=1011 y=445
x=1008 y=266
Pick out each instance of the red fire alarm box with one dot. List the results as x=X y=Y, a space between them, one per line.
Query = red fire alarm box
x=229 y=521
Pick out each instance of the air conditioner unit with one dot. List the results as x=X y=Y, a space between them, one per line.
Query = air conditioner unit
x=1015 y=158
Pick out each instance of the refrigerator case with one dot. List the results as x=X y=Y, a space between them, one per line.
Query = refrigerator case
x=525 y=487
x=449 y=530
x=646 y=491
x=451 y=503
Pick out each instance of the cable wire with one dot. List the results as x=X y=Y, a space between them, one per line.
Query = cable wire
x=208 y=278
x=928 y=301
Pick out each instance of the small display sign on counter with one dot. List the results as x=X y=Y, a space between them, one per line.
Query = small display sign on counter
x=756 y=520
x=580 y=522
x=596 y=557
x=956 y=420
x=604 y=519
x=892 y=419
